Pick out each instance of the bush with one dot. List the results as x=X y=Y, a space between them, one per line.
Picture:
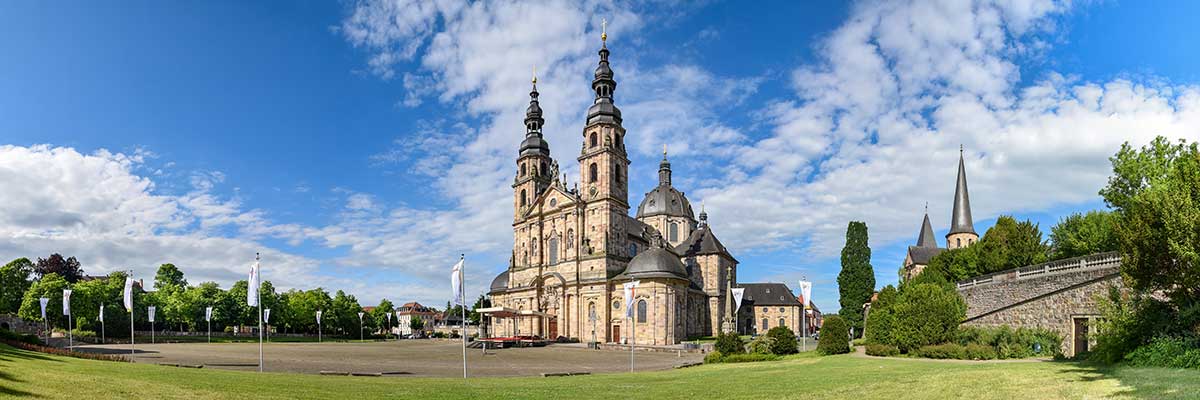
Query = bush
x=975 y=351
x=882 y=350
x=1129 y=322
x=729 y=343
x=740 y=358
x=1012 y=343
x=835 y=336
x=10 y=336
x=762 y=345
x=926 y=314
x=1167 y=352
x=783 y=341
x=882 y=317
x=948 y=351
x=713 y=357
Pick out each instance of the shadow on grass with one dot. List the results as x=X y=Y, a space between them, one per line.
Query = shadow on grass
x=1140 y=382
x=8 y=353
x=7 y=391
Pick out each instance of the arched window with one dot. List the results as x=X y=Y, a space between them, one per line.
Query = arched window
x=959 y=241
x=523 y=200
x=592 y=311
x=544 y=169
x=781 y=322
x=632 y=249
x=641 y=311
x=592 y=173
x=673 y=232
x=616 y=172
x=765 y=326
x=553 y=251
x=593 y=140
x=522 y=169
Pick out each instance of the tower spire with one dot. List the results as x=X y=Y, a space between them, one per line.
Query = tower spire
x=926 y=238
x=960 y=219
x=664 y=169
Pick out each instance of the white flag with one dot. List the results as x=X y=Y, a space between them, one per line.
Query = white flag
x=456 y=285
x=129 y=293
x=389 y=317
x=252 y=286
x=208 y=313
x=318 y=316
x=267 y=315
x=629 y=286
x=806 y=291
x=66 y=301
x=101 y=313
x=152 y=309
x=737 y=297
x=360 y=317
x=398 y=317
x=44 y=302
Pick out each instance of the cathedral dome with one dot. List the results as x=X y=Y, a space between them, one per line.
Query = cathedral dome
x=501 y=282
x=665 y=200
x=656 y=262
x=535 y=145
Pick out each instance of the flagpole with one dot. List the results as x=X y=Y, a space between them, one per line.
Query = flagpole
x=463 y=303
x=632 y=328
x=258 y=300
x=132 y=348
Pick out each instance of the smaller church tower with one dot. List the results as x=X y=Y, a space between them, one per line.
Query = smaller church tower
x=534 y=173
x=962 y=229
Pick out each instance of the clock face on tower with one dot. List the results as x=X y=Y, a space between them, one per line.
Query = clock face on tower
x=592 y=191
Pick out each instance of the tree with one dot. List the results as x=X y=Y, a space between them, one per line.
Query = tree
x=1083 y=234
x=1155 y=193
x=416 y=323
x=50 y=286
x=925 y=314
x=835 y=336
x=379 y=315
x=345 y=313
x=169 y=275
x=1007 y=244
x=474 y=316
x=14 y=281
x=783 y=341
x=67 y=268
x=856 y=282
x=881 y=319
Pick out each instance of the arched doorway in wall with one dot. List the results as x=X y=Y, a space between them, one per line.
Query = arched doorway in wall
x=552 y=301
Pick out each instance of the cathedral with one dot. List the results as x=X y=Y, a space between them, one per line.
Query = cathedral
x=575 y=248
x=962 y=229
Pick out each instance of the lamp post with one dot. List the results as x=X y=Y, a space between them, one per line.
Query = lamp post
x=360 y=326
x=318 y=326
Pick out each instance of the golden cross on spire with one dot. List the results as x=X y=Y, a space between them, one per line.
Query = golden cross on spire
x=603 y=30
x=664 y=150
x=535 y=74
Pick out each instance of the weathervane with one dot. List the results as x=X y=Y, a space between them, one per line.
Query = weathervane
x=603 y=30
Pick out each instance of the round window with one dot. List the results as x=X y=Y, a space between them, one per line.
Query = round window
x=780 y=309
x=616 y=304
x=765 y=309
x=553 y=202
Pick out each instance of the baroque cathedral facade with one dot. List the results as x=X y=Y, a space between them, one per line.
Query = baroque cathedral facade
x=574 y=248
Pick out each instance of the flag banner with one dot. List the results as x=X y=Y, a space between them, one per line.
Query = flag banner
x=806 y=291
x=267 y=315
x=66 y=301
x=360 y=317
x=129 y=293
x=398 y=319
x=389 y=317
x=456 y=285
x=44 y=302
x=208 y=313
x=629 y=286
x=101 y=313
x=737 y=297
x=152 y=310
x=318 y=317
x=252 y=286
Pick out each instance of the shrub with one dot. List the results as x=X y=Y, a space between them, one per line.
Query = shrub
x=1167 y=352
x=762 y=345
x=882 y=350
x=10 y=336
x=1129 y=322
x=783 y=341
x=729 y=343
x=926 y=314
x=740 y=358
x=882 y=317
x=712 y=357
x=1012 y=343
x=835 y=336
x=975 y=351
x=952 y=351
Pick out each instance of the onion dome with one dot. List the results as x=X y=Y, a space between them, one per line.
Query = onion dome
x=602 y=109
x=534 y=143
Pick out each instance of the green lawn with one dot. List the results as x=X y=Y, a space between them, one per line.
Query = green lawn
x=802 y=377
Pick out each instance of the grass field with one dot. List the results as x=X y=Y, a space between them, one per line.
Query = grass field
x=804 y=376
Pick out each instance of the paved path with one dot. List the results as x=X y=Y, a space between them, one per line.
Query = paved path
x=405 y=358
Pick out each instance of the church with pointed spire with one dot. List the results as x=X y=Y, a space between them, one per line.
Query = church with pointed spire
x=574 y=248
x=962 y=229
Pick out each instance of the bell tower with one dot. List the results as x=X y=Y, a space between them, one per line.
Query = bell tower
x=533 y=159
x=962 y=228
x=603 y=164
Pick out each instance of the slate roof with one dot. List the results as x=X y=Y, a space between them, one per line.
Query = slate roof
x=655 y=262
x=500 y=283
x=960 y=219
x=922 y=255
x=768 y=294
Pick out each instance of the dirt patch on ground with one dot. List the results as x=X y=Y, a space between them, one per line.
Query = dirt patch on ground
x=404 y=358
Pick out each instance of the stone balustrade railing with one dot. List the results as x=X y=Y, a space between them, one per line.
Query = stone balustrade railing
x=1077 y=264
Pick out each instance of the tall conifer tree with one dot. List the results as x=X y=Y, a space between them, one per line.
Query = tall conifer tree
x=856 y=282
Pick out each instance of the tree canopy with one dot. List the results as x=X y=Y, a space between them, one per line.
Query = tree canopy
x=67 y=268
x=1083 y=234
x=14 y=281
x=856 y=281
x=1007 y=244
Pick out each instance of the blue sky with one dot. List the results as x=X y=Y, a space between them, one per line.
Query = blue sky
x=363 y=145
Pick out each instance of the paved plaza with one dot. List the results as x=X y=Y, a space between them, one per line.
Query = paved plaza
x=405 y=358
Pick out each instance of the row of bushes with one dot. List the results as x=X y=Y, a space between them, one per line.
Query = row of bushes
x=977 y=343
x=778 y=341
x=1167 y=352
x=33 y=343
x=718 y=357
